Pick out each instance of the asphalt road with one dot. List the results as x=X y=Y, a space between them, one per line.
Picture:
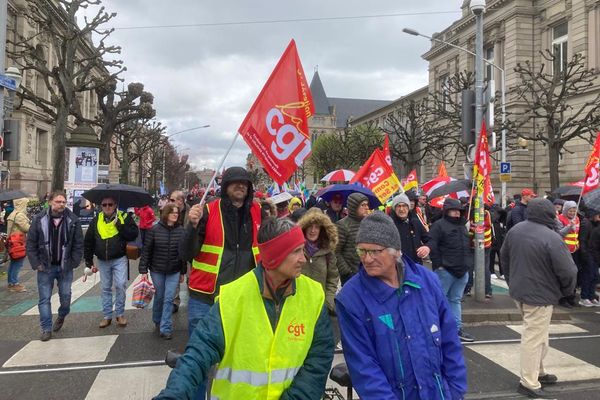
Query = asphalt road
x=85 y=362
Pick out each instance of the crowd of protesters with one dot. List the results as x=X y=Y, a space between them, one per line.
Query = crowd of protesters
x=312 y=273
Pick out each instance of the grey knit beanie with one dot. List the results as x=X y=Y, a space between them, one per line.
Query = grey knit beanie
x=400 y=199
x=378 y=228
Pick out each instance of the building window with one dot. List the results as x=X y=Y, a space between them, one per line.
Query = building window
x=559 y=48
x=445 y=92
x=41 y=148
x=489 y=58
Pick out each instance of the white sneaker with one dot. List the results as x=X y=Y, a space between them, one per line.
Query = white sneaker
x=595 y=303
x=495 y=276
x=586 y=303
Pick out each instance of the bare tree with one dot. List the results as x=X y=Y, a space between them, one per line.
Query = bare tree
x=411 y=137
x=63 y=56
x=118 y=108
x=549 y=111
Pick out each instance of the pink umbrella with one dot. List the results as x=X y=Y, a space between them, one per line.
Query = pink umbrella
x=339 y=175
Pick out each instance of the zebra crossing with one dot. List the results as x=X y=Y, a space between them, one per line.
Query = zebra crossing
x=102 y=369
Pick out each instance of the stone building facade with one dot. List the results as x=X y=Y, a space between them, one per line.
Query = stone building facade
x=29 y=165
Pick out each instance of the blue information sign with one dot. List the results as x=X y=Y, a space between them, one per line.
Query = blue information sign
x=505 y=168
x=8 y=83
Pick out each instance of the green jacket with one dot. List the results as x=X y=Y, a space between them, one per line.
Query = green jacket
x=206 y=347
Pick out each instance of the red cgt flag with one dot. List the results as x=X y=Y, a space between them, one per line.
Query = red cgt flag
x=482 y=169
x=378 y=176
x=276 y=127
x=591 y=181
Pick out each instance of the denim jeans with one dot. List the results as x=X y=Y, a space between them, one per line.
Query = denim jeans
x=13 y=271
x=196 y=311
x=589 y=279
x=114 y=270
x=453 y=288
x=45 y=283
x=162 y=309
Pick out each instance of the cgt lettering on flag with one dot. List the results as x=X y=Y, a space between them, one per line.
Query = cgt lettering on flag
x=276 y=127
x=377 y=175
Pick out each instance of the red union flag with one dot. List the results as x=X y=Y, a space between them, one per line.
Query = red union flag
x=411 y=181
x=386 y=150
x=592 y=169
x=276 y=127
x=378 y=176
x=482 y=169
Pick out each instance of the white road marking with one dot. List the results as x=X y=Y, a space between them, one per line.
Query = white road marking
x=139 y=383
x=63 y=351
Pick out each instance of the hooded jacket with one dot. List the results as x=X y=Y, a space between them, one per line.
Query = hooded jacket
x=347 y=259
x=17 y=220
x=539 y=268
x=322 y=265
x=237 y=256
x=565 y=229
x=449 y=242
x=38 y=248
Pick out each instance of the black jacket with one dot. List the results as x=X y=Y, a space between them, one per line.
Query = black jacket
x=516 y=215
x=594 y=242
x=412 y=235
x=450 y=247
x=38 y=251
x=111 y=248
x=161 y=250
x=237 y=256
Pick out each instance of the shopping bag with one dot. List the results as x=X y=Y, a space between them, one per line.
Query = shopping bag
x=143 y=291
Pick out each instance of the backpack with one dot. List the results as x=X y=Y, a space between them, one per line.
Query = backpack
x=16 y=245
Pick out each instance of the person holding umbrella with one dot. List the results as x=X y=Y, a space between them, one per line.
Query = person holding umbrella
x=107 y=238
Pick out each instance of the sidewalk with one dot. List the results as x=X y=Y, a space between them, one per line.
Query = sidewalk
x=501 y=308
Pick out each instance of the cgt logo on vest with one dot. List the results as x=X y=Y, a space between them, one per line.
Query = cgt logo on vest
x=296 y=331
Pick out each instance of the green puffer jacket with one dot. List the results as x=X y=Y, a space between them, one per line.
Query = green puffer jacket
x=206 y=347
x=347 y=259
x=322 y=266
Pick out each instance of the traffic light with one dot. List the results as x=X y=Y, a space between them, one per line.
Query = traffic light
x=467 y=116
x=10 y=147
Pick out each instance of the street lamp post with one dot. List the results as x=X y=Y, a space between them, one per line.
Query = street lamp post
x=502 y=89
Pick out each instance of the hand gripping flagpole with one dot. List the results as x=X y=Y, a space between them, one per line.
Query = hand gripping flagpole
x=212 y=180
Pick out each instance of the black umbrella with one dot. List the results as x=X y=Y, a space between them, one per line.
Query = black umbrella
x=592 y=200
x=459 y=185
x=12 y=195
x=125 y=195
x=567 y=190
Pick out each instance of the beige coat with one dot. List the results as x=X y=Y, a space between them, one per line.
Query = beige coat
x=17 y=220
x=322 y=266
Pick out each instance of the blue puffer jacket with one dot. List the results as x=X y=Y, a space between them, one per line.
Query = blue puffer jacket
x=411 y=354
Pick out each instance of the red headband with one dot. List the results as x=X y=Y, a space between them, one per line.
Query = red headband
x=273 y=252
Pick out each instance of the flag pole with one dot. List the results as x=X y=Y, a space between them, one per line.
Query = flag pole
x=580 y=196
x=212 y=180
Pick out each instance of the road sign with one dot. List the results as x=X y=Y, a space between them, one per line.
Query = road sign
x=505 y=168
x=8 y=83
x=505 y=177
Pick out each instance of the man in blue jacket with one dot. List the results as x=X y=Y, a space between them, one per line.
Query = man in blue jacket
x=399 y=335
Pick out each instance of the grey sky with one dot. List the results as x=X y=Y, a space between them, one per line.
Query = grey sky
x=212 y=74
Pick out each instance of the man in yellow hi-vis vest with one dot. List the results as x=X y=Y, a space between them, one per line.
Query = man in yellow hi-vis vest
x=269 y=330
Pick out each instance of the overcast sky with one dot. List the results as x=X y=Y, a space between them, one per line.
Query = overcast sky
x=211 y=71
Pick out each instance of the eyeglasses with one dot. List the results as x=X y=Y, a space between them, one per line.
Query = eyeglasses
x=402 y=205
x=172 y=200
x=108 y=204
x=373 y=253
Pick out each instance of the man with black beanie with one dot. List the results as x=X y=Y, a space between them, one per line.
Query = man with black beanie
x=451 y=257
x=220 y=241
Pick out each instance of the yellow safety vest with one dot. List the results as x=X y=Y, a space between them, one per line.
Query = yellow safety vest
x=260 y=364
x=106 y=230
x=571 y=239
x=488 y=233
x=206 y=264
